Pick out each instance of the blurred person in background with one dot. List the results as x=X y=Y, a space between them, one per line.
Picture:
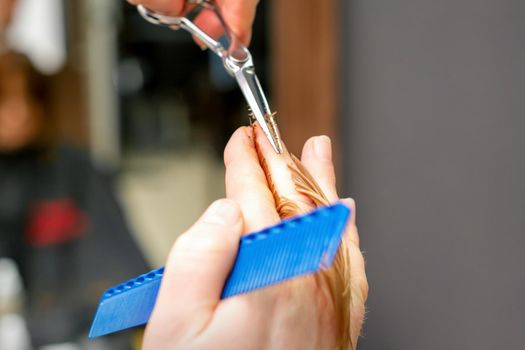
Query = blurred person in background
x=59 y=221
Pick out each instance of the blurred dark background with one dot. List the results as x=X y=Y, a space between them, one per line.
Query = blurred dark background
x=425 y=103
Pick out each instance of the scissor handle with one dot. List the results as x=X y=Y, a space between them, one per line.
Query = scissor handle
x=236 y=50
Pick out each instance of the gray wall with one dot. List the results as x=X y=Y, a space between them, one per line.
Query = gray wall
x=435 y=137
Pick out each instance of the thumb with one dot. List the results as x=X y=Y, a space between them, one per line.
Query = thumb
x=197 y=268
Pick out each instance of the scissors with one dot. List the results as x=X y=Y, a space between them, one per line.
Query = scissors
x=236 y=59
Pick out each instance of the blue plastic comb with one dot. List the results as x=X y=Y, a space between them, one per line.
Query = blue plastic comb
x=294 y=247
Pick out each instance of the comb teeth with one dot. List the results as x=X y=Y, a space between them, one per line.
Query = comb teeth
x=146 y=278
x=292 y=248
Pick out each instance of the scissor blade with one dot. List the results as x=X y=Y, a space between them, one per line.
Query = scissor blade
x=252 y=91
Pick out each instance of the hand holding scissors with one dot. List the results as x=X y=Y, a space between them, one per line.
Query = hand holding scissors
x=236 y=58
x=239 y=14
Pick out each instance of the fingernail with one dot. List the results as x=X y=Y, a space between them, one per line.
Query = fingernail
x=323 y=147
x=222 y=212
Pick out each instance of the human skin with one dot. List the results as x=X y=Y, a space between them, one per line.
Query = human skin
x=238 y=14
x=20 y=115
x=6 y=11
x=293 y=315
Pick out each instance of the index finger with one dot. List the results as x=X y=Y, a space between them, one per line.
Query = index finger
x=246 y=182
